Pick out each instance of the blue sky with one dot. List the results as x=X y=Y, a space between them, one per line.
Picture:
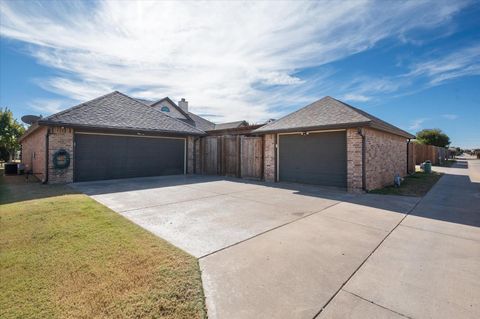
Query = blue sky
x=414 y=64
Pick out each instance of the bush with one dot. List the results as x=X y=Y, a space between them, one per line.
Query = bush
x=433 y=137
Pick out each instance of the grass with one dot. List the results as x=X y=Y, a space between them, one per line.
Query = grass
x=417 y=184
x=66 y=256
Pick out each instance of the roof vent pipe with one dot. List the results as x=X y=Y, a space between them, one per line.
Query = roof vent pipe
x=183 y=104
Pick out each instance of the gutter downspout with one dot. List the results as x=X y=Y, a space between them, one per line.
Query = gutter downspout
x=364 y=177
x=45 y=181
x=408 y=155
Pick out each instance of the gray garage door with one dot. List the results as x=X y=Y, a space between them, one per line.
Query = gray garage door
x=316 y=158
x=100 y=157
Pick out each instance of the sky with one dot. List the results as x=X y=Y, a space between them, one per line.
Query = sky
x=415 y=64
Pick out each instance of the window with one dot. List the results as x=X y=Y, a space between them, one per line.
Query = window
x=165 y=109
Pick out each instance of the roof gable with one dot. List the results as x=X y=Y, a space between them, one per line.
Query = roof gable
x=174 y=110
x=119 y=111
x=177 y=112
x=328 y=113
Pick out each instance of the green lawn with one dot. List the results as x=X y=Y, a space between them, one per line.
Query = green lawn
x=66 y=256
x=417 y=184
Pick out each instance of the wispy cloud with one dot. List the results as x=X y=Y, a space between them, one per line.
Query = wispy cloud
x=450 y=116
x=355 y=97
x=462 y=62
x=235 y=59
x=365 y=88
x=430 y=72
x=417 y=124
x=48 y=106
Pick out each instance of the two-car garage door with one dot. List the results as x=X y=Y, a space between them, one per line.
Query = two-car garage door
x=313 y=158
x=99 y=157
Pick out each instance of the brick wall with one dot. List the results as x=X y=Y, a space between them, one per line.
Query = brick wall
x=354 y=160
x=386 y=156
x=33 y=152
x=190 y=154
x=198 y=156
x=60 y=138
x=269 y=158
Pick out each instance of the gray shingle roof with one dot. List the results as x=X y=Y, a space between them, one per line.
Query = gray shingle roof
x=119 y=111
x=148 y=102
x=230 y=125
x=201 y=123
x=328 y=113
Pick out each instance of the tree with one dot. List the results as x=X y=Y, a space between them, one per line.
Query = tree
x=10 y=131
x=433 y=137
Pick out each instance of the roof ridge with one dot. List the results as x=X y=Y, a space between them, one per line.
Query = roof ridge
x=160 y=112
x=77 y=106
x=370 y=116
x=239 y=121
x=353 y=108
x=306 y=107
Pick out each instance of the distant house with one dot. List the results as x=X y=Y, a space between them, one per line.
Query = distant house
x=115 y=136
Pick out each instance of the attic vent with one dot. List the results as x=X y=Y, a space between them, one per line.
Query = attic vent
x=165 y=109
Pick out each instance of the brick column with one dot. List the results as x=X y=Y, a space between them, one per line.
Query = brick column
x=190 y=155
x=60 y=138
x=269 y=158
x=354 y=160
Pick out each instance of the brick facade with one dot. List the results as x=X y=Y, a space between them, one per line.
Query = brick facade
x=269 y=158
x=354 y=160
x=190 y=154
x=33 y=153
x=198 y=158
x=386 y=156
x=60 y=138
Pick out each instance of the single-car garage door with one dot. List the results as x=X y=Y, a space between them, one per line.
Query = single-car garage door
x=314 y=158
x=100 y=157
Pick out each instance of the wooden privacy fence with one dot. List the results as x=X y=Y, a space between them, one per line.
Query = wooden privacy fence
x=419 y=153
x=230 y=155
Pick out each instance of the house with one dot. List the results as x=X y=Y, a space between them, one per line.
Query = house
x=335 y=144
x=115 y=136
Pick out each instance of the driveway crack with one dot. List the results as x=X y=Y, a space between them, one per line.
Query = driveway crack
x=365 y=260
x=440 y=233
x=376 y=304
x=268 y=230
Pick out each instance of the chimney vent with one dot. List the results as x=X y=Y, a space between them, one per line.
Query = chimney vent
x=183 y=104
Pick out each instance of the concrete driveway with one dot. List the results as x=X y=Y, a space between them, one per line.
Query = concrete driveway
x=293 y=251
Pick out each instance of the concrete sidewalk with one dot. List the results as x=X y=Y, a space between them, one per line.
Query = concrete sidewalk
x=429 y=266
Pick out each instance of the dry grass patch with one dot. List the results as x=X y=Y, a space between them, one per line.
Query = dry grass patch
x=417 y=184
x=69 y=257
